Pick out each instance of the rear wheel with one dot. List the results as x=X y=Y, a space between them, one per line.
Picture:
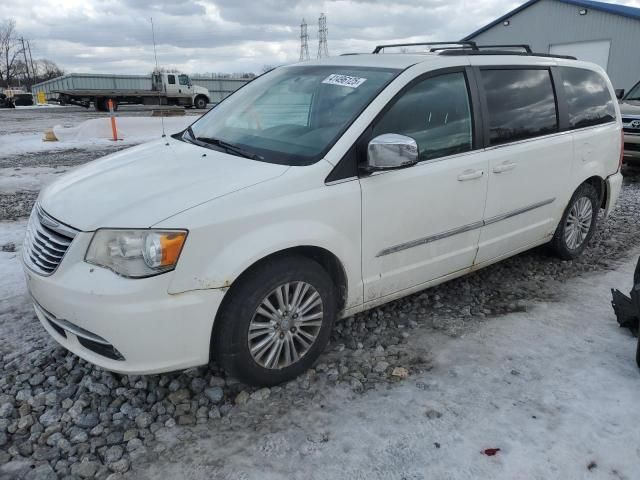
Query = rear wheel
x=578 y=223
x=276 y=321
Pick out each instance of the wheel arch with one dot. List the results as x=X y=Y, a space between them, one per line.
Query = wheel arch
x=601 y=187
x=328 y=260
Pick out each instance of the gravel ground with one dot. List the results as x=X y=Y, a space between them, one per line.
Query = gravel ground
x=62 y=417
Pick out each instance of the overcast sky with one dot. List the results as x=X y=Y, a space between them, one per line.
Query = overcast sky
x=114 y=36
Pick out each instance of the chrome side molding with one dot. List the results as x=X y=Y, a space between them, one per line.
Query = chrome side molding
x=463 y=229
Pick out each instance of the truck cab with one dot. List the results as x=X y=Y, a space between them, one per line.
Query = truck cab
x=178 y=86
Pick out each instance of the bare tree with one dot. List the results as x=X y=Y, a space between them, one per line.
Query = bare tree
x=10 y=48
x=47 y=69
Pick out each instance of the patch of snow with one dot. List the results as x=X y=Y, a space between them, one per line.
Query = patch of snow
x=11 y=280
x=128 y=128
x=28 y=178
x=93 y=134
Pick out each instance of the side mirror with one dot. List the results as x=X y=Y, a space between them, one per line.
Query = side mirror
x=390 y=151
x=619 y=93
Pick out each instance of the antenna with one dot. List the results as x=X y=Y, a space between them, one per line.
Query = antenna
x=155 y=55
x=323 y=49
x=304 y=41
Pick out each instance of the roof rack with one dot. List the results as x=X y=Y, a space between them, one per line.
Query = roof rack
x=462 y=44
x=495 y=50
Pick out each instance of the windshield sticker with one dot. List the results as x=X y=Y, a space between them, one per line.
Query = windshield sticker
x=344 y=80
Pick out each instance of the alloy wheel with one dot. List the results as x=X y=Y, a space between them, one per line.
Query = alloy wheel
x=578 y=223
x=285 y=325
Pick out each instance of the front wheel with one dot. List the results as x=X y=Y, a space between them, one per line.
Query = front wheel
x=578 y=223
x=200 y=103
x=276 y=321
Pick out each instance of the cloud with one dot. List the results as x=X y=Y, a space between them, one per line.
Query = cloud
x=114 y=36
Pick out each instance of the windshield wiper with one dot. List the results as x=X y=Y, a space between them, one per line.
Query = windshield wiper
x=230 y=147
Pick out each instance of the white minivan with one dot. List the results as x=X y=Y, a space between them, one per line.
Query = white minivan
x=315 y=192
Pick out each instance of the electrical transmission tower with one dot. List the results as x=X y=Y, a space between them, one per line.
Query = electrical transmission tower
x=323 y=49
x=304 y=41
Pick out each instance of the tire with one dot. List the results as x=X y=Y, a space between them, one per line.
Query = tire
x=200 y=102
x=239 y=316
x=99 y=104
x=580 y=217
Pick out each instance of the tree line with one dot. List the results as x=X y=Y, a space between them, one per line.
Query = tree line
x=17 y=66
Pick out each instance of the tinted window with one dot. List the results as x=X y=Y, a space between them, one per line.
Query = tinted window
x=588 y=99
x=436 y=113
x=172 y=79
x=521 y=104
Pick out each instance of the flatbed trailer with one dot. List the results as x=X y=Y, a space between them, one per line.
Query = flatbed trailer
x=167 y=89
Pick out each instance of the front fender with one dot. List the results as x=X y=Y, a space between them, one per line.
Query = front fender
x=247 y=227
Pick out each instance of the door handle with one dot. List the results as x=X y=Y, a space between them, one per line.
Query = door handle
x=504 y=167
x=470 y=175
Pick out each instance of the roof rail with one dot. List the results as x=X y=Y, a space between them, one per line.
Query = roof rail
x=462 y=51
x=523 y=46
x=462 y=44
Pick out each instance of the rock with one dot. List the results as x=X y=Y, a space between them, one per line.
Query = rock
x=79 y=436
x=113 y=454
x=179 y=396
x=25 y=422
x=144 y=420
x=37 y=379
x=87 y=420
x=242 y=398
x=134 y=444
x=432 y=414
x=260 y=395
x=215 y=394
x=6 y=410
x=50 y=417
x=85 y=469
x=214 y=413
x=121 y=466
x=41 y=472
x=186 y=420
x=115 y=438
x=198 y=385
x=381 y=367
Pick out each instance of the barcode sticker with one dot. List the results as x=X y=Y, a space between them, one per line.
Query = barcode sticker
x=344 y=80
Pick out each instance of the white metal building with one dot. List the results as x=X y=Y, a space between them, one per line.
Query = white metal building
x=603 y=33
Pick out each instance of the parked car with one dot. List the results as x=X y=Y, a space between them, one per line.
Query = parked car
x=317 y=191
x=630 y=110
x=6 y=102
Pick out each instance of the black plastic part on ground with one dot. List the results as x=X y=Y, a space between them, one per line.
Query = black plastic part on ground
x=627 y=309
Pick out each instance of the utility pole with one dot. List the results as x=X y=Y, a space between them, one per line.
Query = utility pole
x=26 y=62
x=323 y=49
x=33 y=70
x=304 y=41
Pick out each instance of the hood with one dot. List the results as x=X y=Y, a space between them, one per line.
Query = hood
x=629 y=107
x=138 y=187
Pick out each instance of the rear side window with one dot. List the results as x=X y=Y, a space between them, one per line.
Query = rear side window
x=521 y=104
x=172 y=79
x=588 y=99
x=436 y=113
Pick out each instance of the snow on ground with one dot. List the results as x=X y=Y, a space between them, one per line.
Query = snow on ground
x=28 y=178
x=556 y=389
x=93 y=134
x=11 y=281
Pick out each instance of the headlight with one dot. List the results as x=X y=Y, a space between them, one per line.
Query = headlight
x=136 y=253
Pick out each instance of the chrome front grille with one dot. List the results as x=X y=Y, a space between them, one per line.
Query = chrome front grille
x=45 y=242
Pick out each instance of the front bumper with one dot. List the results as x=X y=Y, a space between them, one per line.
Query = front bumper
x=142 y=328
x=632 y=147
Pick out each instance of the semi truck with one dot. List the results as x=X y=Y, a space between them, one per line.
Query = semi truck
x=166 y=89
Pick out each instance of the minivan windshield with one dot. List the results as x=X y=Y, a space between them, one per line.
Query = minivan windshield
x=291 y=115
